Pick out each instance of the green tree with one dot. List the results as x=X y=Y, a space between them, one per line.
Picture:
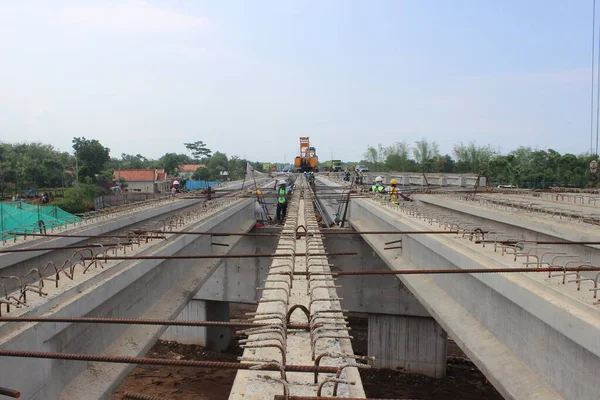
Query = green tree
x=424 y=152
x=170 y=162
x=374 y=157
x=198 y=149
x=91 y=155
x=473 y=158
x=79 y=199
x=396 y=157
x=201 y=174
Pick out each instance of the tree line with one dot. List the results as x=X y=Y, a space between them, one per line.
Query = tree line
x=41 y=166
x=524 y=166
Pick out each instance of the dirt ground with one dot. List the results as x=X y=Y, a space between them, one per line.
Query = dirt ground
x=463 y=380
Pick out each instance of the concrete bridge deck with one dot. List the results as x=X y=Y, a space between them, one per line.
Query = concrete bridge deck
x=534 y=336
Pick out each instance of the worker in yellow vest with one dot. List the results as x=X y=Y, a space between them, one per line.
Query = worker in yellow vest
x=282 y=200
x=393 y=192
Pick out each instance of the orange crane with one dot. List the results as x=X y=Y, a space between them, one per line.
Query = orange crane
x=307 y=161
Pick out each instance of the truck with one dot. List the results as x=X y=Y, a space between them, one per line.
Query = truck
x=307 y=161
x=336 y=165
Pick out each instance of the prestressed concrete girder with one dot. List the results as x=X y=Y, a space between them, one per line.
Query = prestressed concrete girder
x=561 y=314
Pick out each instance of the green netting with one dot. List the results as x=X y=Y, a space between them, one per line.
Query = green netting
x=24 y=217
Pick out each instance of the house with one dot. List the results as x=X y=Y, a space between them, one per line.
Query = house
x=187 y=170
x=144 y=180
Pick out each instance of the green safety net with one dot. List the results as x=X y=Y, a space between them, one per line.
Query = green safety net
x=24 y=217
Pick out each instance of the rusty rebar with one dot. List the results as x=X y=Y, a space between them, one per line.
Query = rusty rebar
x=76 y=246
x=135 y=396
x=10 y=393
x=137 y=321
x=200 y=256
x=457 y=271
x=281 y=397
x=142 y=231
x=343 y=232
x=160 y=361
x=81 y=236
x=557 y=242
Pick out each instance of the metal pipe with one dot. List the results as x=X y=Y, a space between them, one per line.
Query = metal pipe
x=160 y=361
x=10 y=393
x=201 y=256
x=136 y=321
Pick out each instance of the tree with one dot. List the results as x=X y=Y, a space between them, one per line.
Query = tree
x=201 y=174
x=375 y=156
x=170 y=162
x=91 y=155
x=79 y=199
x=396 y=157
x=473 y=158
x=198 y=149
x=424 y=152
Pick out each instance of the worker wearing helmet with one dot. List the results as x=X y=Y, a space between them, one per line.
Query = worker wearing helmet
x=393 y=192
x=378 y=188
x=282 y=200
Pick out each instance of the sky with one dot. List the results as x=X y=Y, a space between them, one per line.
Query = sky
x=250 y=77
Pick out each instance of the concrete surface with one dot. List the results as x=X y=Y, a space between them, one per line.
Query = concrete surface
x=550 y=335
x=128 y=288
x=413 y=344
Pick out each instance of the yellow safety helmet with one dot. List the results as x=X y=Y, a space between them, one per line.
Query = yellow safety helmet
x=258 y=192
x=393 y=182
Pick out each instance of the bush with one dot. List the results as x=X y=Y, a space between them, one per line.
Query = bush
x=79 y=199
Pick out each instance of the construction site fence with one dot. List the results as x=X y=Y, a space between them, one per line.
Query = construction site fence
x=195 y=185
x=23 y=217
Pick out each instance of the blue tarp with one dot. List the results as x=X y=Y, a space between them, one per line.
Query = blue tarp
x=195 y=185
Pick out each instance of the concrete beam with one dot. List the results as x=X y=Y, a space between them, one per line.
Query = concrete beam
x=369 y=294
x=236 y=279
x=525 y=336
x=128 y=289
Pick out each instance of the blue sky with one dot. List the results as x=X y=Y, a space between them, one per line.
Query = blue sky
x=250 y=77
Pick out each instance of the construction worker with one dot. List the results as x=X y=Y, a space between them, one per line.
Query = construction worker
x=378 y=187
x=393 y=192
x=282 y=200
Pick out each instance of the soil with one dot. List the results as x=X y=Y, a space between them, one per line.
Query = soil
x=463 y=381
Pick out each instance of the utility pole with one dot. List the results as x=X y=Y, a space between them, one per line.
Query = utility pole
x=76 y=169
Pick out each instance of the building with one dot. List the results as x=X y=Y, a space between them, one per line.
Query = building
x=144 y=180
x=187 y=170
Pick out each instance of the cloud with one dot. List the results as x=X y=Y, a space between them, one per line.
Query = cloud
x=131 y=16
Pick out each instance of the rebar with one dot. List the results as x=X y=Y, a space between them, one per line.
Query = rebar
x=135 y=396
x=136 y=321
x=202 y=256
x=10 y=392
x=160 y=361
x=458 y=271
x=280 y=397
x=76 y=246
